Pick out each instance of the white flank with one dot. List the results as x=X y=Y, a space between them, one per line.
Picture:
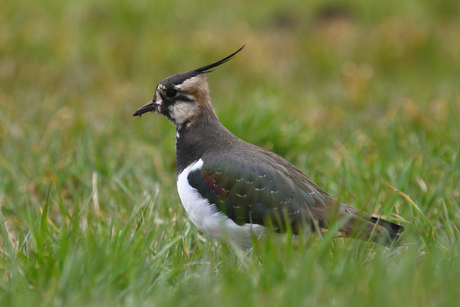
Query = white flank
x=208 y=219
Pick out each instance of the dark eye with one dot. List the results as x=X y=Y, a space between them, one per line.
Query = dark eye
x=171 y=93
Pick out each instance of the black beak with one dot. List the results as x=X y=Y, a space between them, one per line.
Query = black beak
x=148 y=107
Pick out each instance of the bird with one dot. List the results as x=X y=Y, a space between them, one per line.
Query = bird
x=234 y=191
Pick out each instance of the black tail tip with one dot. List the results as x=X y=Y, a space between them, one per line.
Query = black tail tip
x=394 y=230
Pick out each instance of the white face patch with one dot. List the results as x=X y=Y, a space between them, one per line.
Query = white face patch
x=159 y=101
x=161 y=87
x=194 y=82
x=181 y=111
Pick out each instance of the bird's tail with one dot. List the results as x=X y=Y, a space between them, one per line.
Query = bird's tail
x=360 y=225
x=393 y=230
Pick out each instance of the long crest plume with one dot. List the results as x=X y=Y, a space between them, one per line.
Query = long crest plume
x=209 y=68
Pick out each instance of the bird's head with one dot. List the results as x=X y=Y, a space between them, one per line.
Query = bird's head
x=183 y=96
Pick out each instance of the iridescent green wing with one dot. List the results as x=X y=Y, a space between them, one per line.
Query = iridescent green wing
x=255 y=191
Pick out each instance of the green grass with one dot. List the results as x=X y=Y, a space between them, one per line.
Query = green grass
x=355 y=94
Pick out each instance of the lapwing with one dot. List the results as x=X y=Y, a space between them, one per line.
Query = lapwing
x=233 y=190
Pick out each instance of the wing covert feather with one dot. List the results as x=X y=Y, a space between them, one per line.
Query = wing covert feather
x=253 y=191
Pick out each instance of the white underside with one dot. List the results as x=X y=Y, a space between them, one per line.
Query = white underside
x=208 y=219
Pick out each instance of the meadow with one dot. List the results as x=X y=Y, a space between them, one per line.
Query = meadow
x=362 y=96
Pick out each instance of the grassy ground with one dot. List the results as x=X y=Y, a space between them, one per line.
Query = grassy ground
x=356 y=95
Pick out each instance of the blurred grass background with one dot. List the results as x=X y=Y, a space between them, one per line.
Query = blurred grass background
x=356 y=94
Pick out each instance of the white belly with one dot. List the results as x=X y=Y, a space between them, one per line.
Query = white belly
x=208 y=219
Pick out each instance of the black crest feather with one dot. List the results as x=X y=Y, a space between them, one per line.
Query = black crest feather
x=208 y=68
